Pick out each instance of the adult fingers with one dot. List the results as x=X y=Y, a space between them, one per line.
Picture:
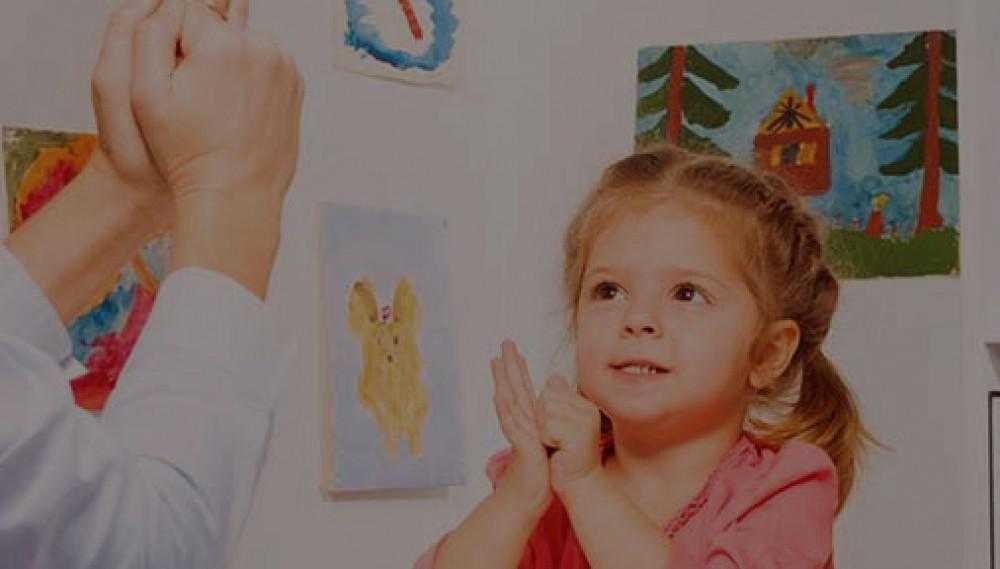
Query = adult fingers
x=111 y=81
x=203 y=27
x=155 y=57
x=238 y=13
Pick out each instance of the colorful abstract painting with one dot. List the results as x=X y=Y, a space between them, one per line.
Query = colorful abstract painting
x=865 y=127
x=405 y=40
x=38 y=164
x=390 y=384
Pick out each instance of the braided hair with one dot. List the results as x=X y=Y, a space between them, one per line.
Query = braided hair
x=783 y=266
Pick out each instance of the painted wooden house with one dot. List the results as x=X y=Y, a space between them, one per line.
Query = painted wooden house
x=793 y=141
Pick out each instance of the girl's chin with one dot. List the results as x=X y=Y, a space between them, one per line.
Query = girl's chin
x=637 y=416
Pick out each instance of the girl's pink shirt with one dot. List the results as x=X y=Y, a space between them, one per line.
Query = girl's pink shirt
x=761 y=509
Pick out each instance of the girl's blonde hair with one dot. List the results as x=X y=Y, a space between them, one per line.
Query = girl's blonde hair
x=783 y=266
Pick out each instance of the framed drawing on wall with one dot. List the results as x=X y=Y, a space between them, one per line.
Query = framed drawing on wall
x=994 y=438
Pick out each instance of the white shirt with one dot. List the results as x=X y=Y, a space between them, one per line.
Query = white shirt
x=164 y=477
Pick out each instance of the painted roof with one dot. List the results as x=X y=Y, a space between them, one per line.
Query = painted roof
x=790 y=113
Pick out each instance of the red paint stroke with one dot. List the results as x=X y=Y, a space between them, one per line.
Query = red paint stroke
x=675 y=94
x=92 y=389
x=876 y=224
x=56 y=180
x=411 y=18
x=928 y=215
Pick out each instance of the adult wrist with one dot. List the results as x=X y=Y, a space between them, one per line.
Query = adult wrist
x=228 y=232
x=148 y=210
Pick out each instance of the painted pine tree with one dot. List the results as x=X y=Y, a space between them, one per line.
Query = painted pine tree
x=683 y=100
x=929 y=95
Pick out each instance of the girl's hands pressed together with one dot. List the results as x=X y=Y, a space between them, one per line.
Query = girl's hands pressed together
x=571 y=424
x=527 y=477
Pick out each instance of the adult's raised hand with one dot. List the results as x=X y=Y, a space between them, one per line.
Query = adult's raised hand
x=122 y=157
x=219 y=108
x=222 y=112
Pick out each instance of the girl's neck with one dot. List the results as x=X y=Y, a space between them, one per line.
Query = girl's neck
x=662 y=474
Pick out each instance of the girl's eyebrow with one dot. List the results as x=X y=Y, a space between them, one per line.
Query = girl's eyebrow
x=599 y=270
x=687 y=273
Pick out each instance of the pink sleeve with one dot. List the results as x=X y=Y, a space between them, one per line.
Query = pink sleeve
x=426 y=561
x=497 y=464
x=786 y=522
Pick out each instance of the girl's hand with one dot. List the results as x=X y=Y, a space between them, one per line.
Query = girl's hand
x=527 y=477
x=571 y=424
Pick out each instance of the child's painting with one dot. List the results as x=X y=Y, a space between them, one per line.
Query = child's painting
x=390 y=386
x=38 y=164
x=412 y=41
x=994 y=460
x=865 y=127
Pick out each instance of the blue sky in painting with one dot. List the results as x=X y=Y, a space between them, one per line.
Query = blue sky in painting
x=851 y=79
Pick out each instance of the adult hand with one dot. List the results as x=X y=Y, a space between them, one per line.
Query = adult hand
x=220 y=117
x=121 y=158
x=527 y=476
x=224 y=117
x=571 y=424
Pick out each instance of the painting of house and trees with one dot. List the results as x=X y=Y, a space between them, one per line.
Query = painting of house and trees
x=865 y=127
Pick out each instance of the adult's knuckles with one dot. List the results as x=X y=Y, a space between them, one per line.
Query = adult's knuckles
x=222 y=46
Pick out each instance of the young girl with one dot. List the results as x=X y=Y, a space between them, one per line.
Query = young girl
x=707 y=428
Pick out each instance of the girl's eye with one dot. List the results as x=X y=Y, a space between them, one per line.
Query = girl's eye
x=607 y=291
x=689 y=293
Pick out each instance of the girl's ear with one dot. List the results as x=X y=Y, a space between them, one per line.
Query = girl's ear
x=773 y=352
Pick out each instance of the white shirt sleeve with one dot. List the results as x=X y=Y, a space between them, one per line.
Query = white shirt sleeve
x=164 y=477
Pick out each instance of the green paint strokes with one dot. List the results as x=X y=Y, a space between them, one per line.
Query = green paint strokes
x=854 y=255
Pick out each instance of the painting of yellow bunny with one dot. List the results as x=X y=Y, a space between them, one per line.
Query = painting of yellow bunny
x=389 y=384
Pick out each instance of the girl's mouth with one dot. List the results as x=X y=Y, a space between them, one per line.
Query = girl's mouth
x=638 y=368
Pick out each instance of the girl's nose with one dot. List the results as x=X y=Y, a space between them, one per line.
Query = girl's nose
x=640 y=324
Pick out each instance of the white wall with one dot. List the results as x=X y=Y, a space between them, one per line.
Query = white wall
x=546 y=97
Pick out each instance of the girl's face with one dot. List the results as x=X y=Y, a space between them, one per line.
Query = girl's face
x=665 y=324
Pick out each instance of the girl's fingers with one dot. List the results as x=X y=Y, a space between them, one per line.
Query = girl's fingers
x=517 y=426
x=503 y=400
x=520 y=379
x=527 y=389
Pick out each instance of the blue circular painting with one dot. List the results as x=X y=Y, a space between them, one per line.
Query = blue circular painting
x=431 y=24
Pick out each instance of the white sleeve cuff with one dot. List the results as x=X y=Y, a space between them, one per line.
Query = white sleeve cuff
x=204 y=320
